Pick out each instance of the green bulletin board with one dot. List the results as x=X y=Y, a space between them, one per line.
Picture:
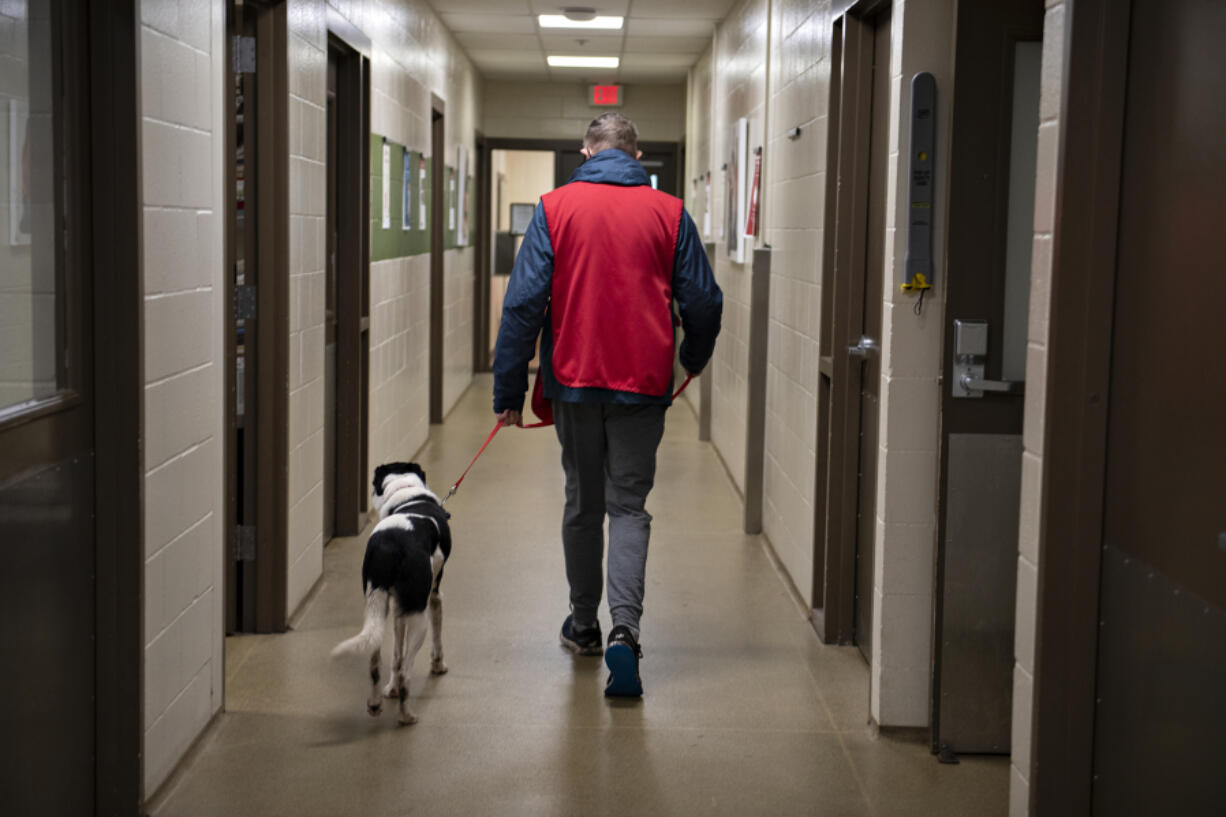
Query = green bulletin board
x=395 y=241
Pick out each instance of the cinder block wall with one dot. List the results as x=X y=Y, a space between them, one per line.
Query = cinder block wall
x=182 y=48
x=771 y=63
x=908 y=431
x=412 y=57
x=739 y=69
x=697 y=164
x=1055 y=34
x=308 y=63
x=795 y=210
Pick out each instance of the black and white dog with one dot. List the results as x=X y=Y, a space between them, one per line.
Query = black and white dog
x=403 y=565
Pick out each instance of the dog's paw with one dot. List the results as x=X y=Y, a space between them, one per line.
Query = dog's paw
x=374 y=709
x=437 y=668
x=407 y=719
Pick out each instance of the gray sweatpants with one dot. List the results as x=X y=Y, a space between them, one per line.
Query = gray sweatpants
x=609 y=456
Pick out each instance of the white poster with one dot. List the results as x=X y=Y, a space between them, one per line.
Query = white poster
x=462 y=196
x=19 y=172
x=450 y=199
x=706 y=207
x=406 y=192
x=387 y=185
x=423 y=200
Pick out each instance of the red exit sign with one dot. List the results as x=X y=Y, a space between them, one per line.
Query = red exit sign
x=606 y=95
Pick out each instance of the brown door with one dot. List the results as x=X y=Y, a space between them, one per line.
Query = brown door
x=991 y=227
x=1159 y=719
x=850 y=364
x=347 y=278
x=47 y=441
x=71 y=395
x=257 y=323
x=331 y=477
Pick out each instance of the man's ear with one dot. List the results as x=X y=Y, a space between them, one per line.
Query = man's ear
x=638 y=154
x=587 y=153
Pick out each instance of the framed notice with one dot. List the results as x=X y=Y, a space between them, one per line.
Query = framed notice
x=386 y=221
x=735 y=200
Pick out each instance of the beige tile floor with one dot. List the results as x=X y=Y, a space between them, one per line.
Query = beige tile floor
x=745 y=711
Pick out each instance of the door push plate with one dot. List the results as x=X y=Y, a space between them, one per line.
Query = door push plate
x=970 y=356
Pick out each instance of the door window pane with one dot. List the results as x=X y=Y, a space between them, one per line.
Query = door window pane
x=29 y=353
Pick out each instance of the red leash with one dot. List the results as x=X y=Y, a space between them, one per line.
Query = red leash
x=498 y=426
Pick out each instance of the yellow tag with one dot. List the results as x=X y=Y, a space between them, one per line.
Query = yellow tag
x=920 y=282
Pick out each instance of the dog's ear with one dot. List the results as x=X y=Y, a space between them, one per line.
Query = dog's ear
x=381 y=473
x=414 y=468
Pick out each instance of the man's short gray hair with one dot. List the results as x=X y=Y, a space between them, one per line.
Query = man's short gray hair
x=612 y=130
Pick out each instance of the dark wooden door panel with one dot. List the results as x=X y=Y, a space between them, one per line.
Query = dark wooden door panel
x=1160 y=727
x=47 y=604
x=870 y=323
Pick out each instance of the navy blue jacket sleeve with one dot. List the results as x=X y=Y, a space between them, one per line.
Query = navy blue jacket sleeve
x=698 y=297
x=523 y=314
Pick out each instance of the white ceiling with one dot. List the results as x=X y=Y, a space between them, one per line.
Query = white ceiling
x=660 y=40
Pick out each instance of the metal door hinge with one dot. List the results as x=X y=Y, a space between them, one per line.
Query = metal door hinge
x=244 y=55
x=244 y=302
x=244 y=543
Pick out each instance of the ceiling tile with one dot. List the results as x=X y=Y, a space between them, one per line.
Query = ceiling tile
x=567 y=43
x=668 y=27
x=476 y=40
x=603 y=7
x=683 y=9
x=641 y=62
x=492 y=57
x=672 y=45
x=486 y=7
x=511 y=24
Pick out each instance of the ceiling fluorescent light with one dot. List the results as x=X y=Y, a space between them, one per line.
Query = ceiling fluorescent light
x=582 y=62
x=561 y=21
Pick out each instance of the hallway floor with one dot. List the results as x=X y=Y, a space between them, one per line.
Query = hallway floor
x=745 y=712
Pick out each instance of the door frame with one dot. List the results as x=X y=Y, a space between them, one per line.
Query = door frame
x=115 y=219
x=352 y=273
x=965 y=251
x=272 y=327
x=481 y=263
x=844 y=252
x=438 y=278
x=1077 y=404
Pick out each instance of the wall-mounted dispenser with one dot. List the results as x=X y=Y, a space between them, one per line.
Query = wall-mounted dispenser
x=917 y=266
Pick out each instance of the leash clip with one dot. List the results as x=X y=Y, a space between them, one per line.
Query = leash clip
x=450 y=494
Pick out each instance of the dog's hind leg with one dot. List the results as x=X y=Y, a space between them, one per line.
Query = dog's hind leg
x=415 y=635
x=393 y=685
x=437 y=667
x=374 y=704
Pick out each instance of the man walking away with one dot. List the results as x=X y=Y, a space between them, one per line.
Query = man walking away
x=600 y=266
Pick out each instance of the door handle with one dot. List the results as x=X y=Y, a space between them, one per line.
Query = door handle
x=867 y=346
x=1003 y=386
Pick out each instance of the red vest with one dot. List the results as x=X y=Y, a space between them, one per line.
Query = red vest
x=613 y=250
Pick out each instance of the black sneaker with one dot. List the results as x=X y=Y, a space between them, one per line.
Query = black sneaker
x=581 y=642
x=622 y=656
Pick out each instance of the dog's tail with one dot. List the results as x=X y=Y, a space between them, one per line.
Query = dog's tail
x=371 y=637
